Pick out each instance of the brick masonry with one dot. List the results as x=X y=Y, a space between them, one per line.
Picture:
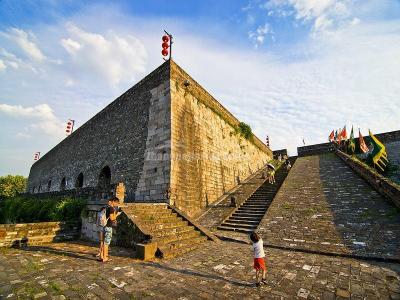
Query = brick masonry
x=116 y=137
x=161 y=134
x=208 y=156
x=37 y=233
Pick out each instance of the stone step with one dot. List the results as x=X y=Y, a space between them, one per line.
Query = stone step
x=236 y=229
x=241 y=222
x=166 y=239
x=168 y=249
x=140 y=214
x=241 y=217
x=171 y=231
x=158 y=221
x=180 y=251
x=249 y=214
x=175 y=224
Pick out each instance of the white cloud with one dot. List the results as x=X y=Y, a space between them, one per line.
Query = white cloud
x=41 y=117
x=71 y=46
x=22 y=136
x=2 y=65
x=324 y=14
x=258 y=36
x=348 y=78
x=26 y=43
x=115 y=57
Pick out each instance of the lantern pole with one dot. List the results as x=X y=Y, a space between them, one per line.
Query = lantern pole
x=170 y=43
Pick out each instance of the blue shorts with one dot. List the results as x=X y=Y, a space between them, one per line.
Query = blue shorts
x=107 y=235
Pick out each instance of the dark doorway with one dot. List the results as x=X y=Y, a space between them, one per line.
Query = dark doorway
x=79 y=181
x=105 y=178
x=49 y=186
x=63 y=184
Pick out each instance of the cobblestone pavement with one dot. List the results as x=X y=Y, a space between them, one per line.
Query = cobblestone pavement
x=324 y=206
x=216 y=271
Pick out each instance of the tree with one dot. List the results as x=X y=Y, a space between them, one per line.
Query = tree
x=11 y=185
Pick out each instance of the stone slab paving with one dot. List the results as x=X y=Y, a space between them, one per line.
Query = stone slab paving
x=324 y=206
x=216 y=271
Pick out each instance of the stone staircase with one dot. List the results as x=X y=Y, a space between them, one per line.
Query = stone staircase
x=249 y=214
x=172 y=233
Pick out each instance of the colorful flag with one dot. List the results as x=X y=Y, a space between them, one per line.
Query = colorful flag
x=378 y=153
x=344 y=133
x=363 y=145
x=352 y=144
x=340 y=137
x=332 y=136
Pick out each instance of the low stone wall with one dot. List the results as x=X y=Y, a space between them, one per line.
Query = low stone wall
x=315 y=149
x=37 y=233
x=383 y=185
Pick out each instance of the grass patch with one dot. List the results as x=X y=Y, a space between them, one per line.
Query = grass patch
x=287 y=206
x=55 y=288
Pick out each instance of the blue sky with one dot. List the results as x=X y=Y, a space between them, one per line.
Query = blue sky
x=289 y=68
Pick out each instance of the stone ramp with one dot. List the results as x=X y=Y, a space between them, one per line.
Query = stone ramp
x=248 y=215
x=159 y=223
x=323 y=206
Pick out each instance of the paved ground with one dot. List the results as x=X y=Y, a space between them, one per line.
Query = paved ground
x=216 y=271
x=324 y=206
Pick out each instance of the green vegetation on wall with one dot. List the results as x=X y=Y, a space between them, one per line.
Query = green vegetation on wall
x=11 y=185
x=245 y=130
x=22 y=209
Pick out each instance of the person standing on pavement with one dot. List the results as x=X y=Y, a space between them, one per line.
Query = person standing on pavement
x=259 y=255
x=112 y=212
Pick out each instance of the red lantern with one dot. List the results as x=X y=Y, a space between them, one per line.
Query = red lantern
x=165 y=39
x=165 y=45
x=164 y=52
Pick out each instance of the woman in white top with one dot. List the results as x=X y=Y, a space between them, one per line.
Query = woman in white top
x=259 y=262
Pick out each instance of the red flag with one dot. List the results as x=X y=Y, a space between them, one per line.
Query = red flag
x=363 y=145
x=332 y=136
x=344 y=133
x=340 y=136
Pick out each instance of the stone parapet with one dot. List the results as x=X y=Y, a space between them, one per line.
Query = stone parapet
x=381 y=184
x=37 y=233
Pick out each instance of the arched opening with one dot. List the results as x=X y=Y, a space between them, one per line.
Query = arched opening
x=49 y=186
x=105 y=177
x=79 y=181
x=63 y=184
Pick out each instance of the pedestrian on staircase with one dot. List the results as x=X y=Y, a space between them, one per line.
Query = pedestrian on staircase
x=271 y=175
x=288 y=165
x=259 y=255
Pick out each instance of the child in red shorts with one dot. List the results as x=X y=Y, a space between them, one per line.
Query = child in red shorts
x=259 y=263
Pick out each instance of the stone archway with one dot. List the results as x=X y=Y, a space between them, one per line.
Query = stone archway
x=63 y=184
x=79 y=181
x=105 y=179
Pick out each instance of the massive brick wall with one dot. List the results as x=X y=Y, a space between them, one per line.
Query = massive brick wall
x=207 y=154
x=116 y=137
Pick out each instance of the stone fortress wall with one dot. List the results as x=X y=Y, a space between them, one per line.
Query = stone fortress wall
x=208 y=155
x=115 y=140
x=160 y=134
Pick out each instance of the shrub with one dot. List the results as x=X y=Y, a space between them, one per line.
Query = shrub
x=245 y=130
x=21 y=209
x=11 y=185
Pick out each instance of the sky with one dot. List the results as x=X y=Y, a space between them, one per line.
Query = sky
x=291 y=69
